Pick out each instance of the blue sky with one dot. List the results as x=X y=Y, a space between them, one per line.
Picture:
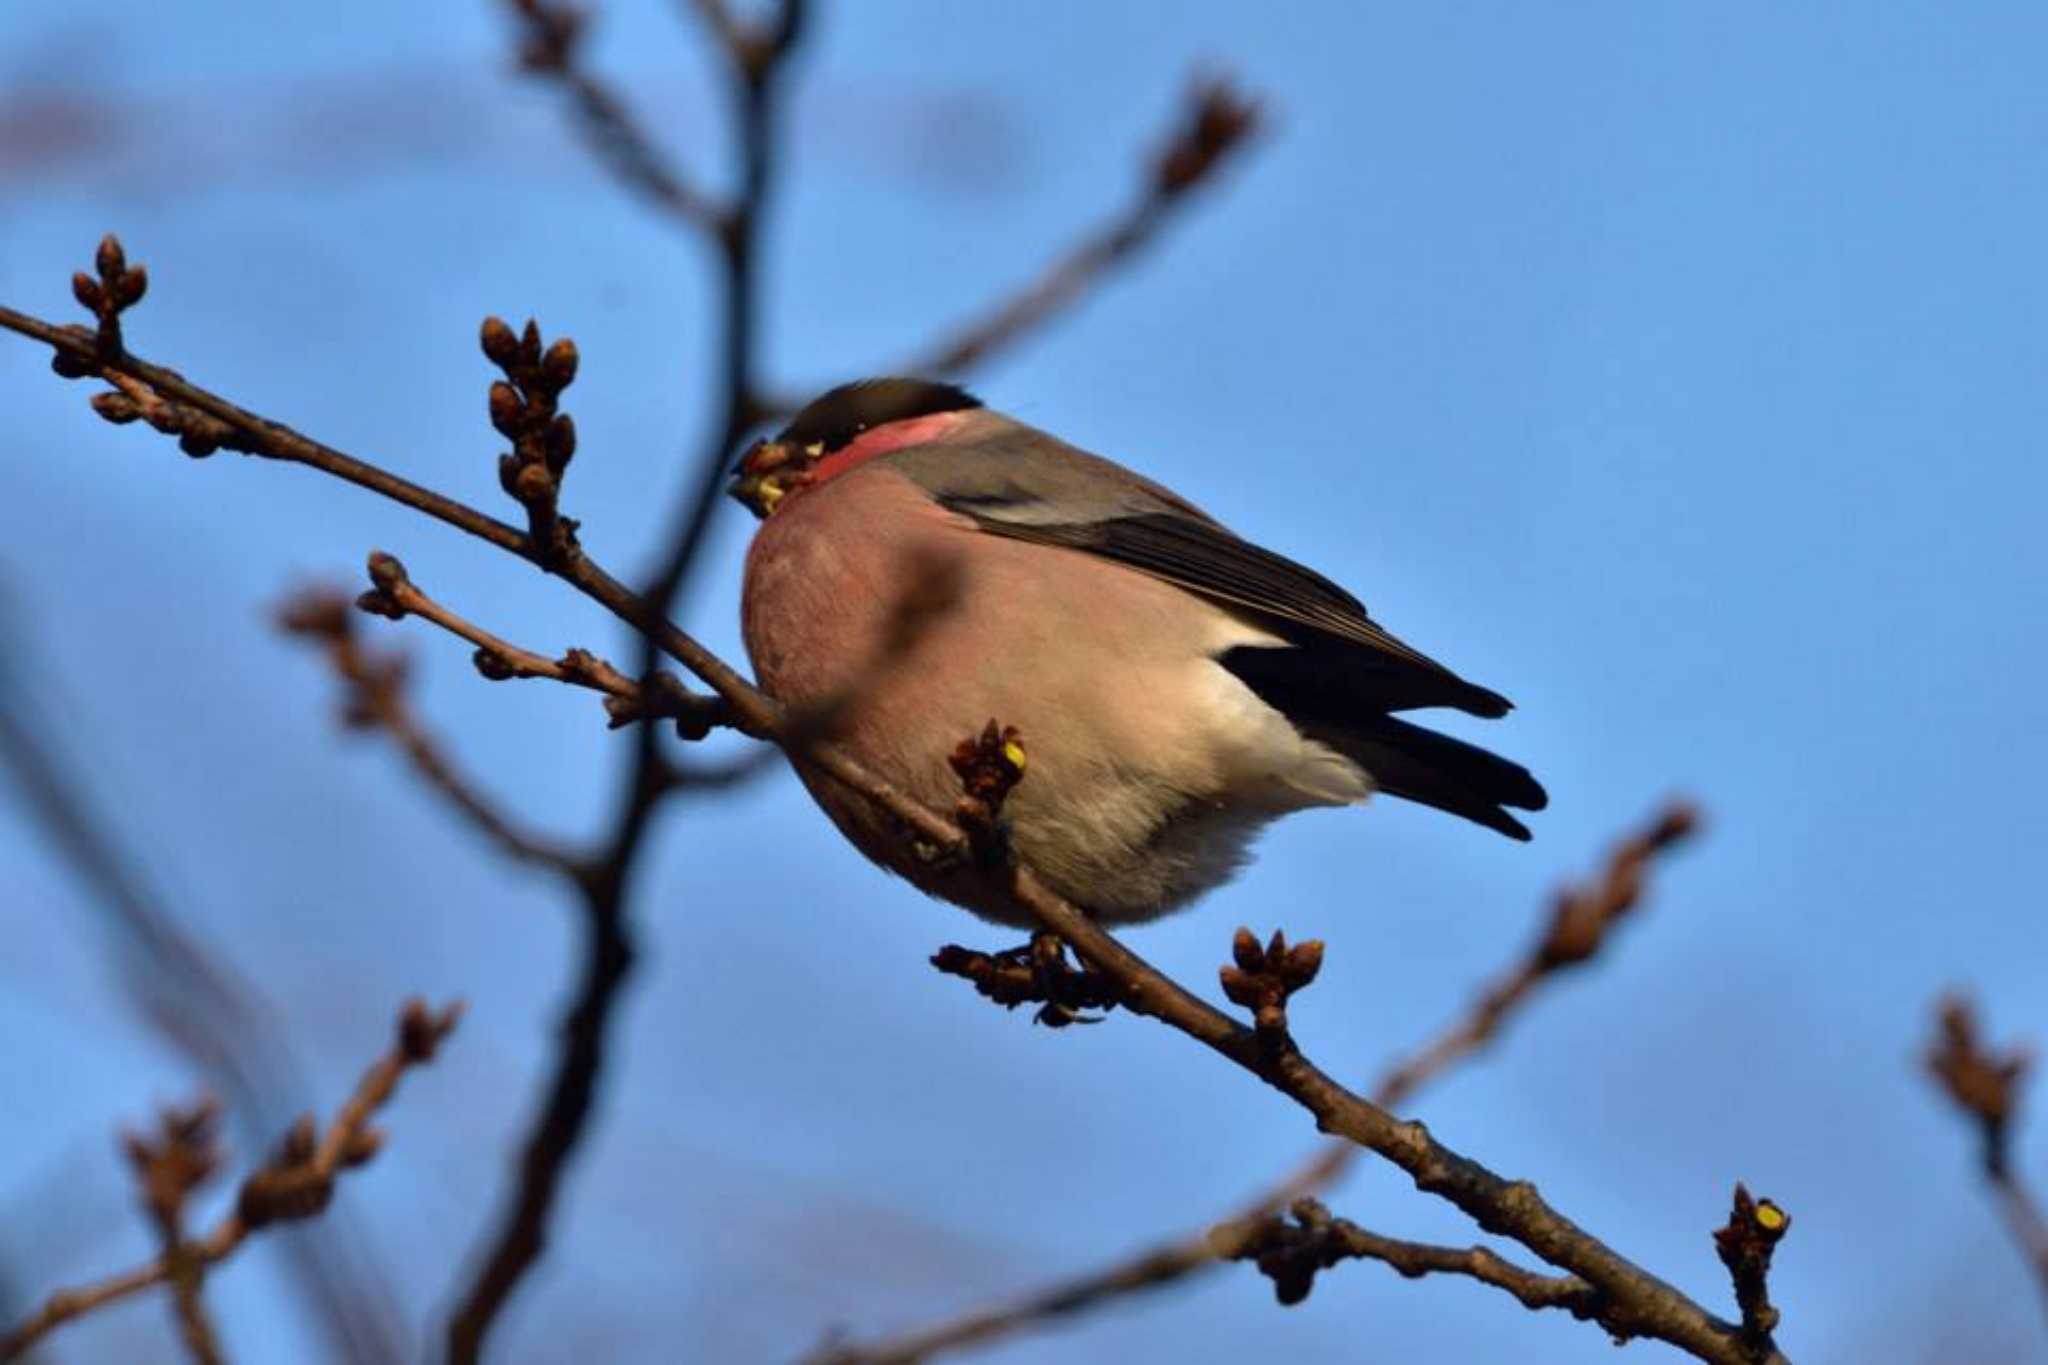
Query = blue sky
x=1673 y=369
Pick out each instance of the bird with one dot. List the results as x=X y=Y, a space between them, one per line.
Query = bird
x=925 y=563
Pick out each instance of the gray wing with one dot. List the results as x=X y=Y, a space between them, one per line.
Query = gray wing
x=1036 y=489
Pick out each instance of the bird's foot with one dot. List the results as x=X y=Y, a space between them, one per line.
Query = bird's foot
x=1037 y=971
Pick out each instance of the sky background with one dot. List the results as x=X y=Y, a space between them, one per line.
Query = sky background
x=1674 y=369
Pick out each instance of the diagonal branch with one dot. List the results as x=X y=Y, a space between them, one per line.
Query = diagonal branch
x=1577 y=928
x=295 y=1183
x=1290 y=1255
x=394 y=595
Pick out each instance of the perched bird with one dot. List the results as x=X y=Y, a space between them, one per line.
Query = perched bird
x=926 y=564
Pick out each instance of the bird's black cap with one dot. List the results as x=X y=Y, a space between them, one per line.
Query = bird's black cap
x=835 y=418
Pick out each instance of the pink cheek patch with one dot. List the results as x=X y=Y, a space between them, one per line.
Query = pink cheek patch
x=913 y=431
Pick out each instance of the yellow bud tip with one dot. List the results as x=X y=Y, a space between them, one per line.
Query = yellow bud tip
x=1013 y=753
x=770 y=493
x=1769 y=1216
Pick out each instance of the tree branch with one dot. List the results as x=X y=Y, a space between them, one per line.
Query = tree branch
x=297 y=1182
x=1290 y=1254
x=1576 y=931
x=395 y=596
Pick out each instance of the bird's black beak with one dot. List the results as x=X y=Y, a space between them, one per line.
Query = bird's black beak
x=759 y=482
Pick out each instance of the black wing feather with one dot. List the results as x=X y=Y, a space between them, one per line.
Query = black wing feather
x=1298 y=602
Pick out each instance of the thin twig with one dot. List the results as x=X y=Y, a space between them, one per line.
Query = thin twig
x=1575 y=931
x=1745 y=1245
x=394 y=595
x=297 y=1182
x=182 y=1156
x=1985 y=1084
x=1290 y=1254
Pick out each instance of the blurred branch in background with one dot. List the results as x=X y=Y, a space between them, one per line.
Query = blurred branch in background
x=1985 y=1084
x=295 y=1183
x=1575 y=931
x=188 y=994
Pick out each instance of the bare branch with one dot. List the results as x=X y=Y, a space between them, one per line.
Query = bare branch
x=1745 y=1245
x=184 y=1155
x=297 y=1182
x=1633 y=1302
x=1575 y=931
x=1985 y=1085
x=1290 y=1255
x=395 y=596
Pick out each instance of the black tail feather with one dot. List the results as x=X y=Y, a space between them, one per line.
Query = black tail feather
x=1332 y=678
x=1338 y=696
x=1421 y=765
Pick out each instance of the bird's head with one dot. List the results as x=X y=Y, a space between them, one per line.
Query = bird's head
x=843 y=428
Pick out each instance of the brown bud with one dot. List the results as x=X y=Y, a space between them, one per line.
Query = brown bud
x=69 y=366
x=420 y=1030
x=362 y=1146
x=558 y=366
x=1244 y=950
x=1303 y=962
x=87 y=291
x=506 y=408
x=386 y=571
x=117 y=408
x=110 y=260
x=529 y=343
x=500 y=346
x=198 y=444
x=561 y=442
x=508 y=474
x=492 y=665
x=130 y=286
x=380 y=603
x=299 y=1143
x=533 y=485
